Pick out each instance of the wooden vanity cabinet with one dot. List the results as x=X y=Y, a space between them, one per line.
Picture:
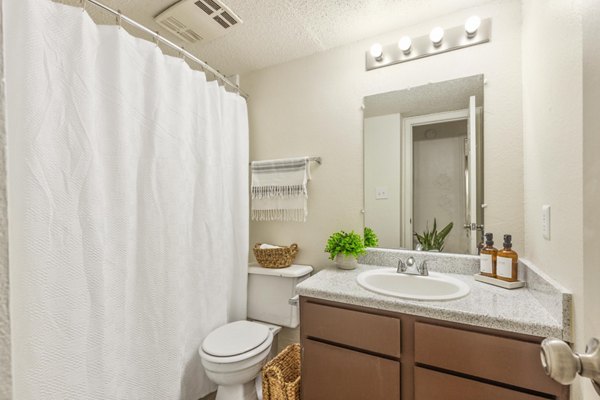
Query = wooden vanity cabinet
x=357 y=353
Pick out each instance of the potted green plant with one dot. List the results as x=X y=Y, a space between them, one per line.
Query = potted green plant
x=345 y=248
x=371 y=239
x=432 y=240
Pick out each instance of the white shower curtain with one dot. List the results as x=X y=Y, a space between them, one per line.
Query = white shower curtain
x=128 y=210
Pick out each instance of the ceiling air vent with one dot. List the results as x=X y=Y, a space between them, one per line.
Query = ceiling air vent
x=195 y=20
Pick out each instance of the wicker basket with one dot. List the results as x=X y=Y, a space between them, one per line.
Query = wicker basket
x=275 y=258
x=281 y=375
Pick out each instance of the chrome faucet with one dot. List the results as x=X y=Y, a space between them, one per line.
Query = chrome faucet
x=403 y=267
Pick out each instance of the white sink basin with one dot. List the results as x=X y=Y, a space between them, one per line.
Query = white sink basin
x=436 y=286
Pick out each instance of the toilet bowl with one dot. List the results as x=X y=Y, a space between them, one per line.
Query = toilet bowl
x=233 y=356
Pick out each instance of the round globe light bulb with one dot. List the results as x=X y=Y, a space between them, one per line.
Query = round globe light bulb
x=405 y=44
x=471 y=25
x=436 y=35
x=377 y=51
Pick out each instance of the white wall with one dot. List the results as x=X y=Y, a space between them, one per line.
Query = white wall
x=312 y=106
x=5 y=351
x=552 y=125
x=382 y=170
x=561 y=157
x=591 y=174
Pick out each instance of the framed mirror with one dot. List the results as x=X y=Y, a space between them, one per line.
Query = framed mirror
x=423 y=166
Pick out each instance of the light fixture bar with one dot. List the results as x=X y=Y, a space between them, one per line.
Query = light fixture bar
x=453 y=39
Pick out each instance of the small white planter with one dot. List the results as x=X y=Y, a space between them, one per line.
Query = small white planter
x=346 y=262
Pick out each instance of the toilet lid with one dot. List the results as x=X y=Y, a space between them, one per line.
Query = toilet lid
x=235 y=338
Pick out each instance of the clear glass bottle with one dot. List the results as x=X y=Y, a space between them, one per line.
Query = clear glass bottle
x=487 y=257
x=507 y=264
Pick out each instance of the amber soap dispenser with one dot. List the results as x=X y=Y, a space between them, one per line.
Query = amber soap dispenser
x=487 y=257
x=507 y=262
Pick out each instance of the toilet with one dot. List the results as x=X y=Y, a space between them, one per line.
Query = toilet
x=233 y=354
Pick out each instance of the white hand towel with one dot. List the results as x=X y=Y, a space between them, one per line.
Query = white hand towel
x=279 y=189
x=269 y=246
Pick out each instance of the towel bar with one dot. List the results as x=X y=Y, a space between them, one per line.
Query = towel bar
x=318 y=160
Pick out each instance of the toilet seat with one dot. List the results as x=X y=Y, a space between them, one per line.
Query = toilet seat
x=235 y=342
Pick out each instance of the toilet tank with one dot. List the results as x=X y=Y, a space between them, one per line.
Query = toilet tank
x=271 y=294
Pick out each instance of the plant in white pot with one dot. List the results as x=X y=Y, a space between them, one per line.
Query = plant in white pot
x=345 y=248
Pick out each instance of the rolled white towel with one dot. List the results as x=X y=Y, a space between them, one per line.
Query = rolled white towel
x=269 y=246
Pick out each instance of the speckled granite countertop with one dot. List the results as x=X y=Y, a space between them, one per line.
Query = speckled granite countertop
x=520 y=310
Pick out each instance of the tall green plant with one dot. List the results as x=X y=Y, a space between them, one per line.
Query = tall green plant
x=432 y=239
x=348 y=244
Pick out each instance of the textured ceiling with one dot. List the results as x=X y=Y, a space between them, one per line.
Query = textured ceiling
x=276 y=31
x=428 y=99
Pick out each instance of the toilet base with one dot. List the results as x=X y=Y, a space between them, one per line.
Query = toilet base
x=245 y=391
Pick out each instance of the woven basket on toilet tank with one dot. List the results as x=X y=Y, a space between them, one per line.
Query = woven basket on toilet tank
x=280 y=257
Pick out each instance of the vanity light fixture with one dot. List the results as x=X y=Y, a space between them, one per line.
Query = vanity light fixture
x=405 y=44
x=377 y=51
x=436 y=36
x=440 y=40
x=472 y=25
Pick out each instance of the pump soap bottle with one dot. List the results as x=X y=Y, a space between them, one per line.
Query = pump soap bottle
x=507 y=264
x=487 y=257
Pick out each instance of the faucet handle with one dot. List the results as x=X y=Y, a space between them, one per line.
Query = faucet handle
x=401 y=266
x=423 y=270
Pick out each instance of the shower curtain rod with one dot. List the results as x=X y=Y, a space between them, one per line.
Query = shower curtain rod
x=158 y=37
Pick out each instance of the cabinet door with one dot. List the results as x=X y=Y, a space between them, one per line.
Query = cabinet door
x=431 y=385
x=334 y=373
x=494 y=358
x=370 y=332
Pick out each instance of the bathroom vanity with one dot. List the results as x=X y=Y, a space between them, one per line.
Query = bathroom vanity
x=362 y=345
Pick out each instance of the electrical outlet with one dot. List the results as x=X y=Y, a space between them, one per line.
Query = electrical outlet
x=381 y=193
x=546 y=221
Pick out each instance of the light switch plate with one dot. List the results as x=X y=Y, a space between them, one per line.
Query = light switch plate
x=381 y=193
x=546 y=221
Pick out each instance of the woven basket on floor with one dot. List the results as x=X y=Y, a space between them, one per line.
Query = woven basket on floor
x=281 y=375
x=275 y=258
